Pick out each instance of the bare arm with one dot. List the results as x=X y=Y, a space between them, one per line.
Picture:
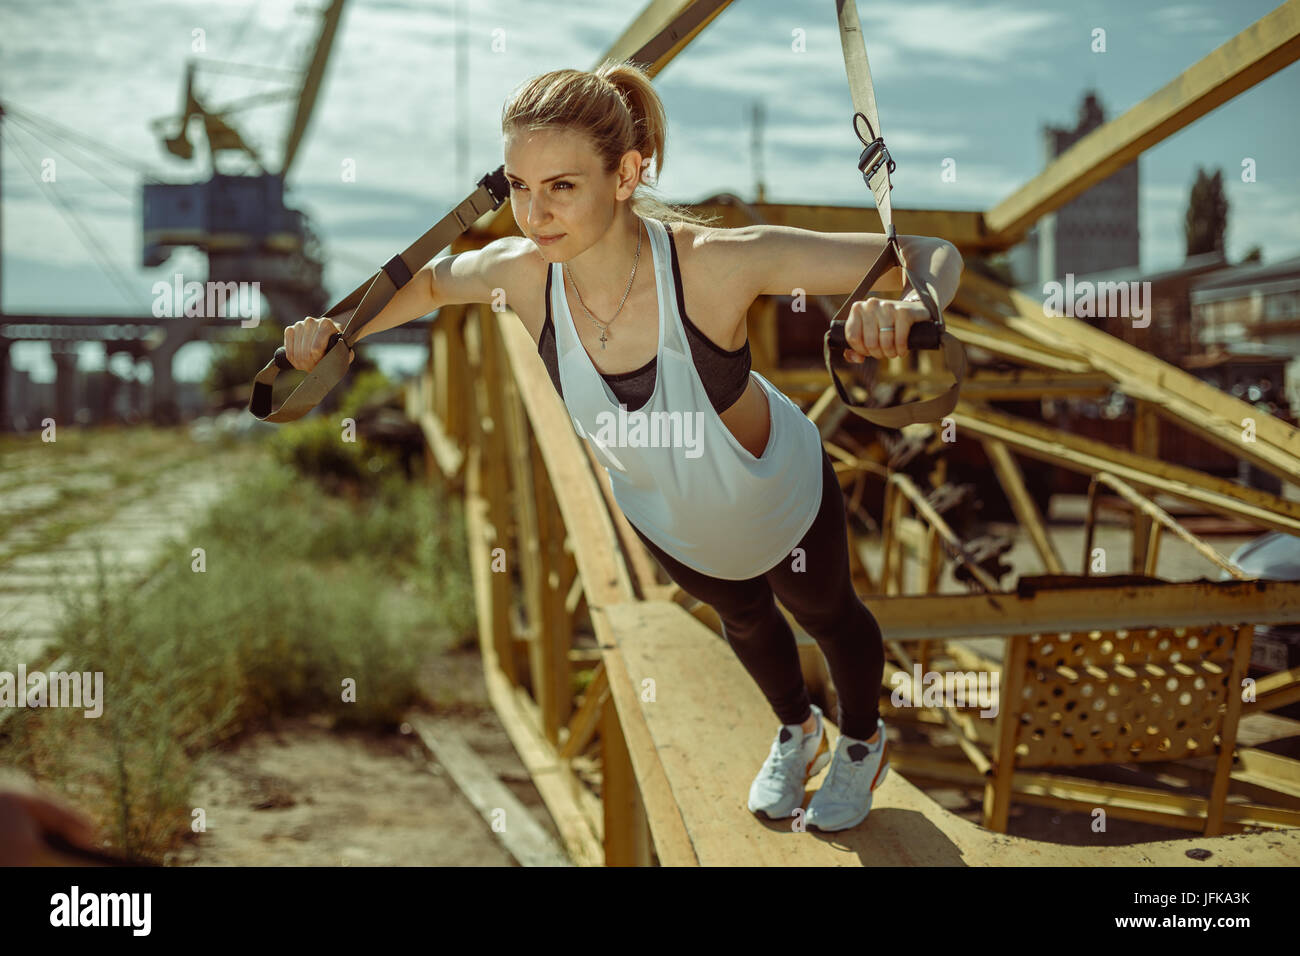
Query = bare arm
x=778 y=260
x=775 y=260
x=470 y=276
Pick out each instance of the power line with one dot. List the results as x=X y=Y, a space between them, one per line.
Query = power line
x=113 y=186
x=254 y=8
x=356 y=261
x=87 y=238
x=90 y=145
x=247 y=69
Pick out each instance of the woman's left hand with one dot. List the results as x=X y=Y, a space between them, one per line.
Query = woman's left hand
x=878 y=327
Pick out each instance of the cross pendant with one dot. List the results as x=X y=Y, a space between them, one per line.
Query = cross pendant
x=603 y=339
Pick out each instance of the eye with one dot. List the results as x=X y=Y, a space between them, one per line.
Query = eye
x=519 y=186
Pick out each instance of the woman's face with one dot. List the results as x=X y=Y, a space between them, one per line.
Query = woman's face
x=557 y=188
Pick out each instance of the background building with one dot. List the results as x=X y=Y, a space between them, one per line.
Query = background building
x=1252 y=312
x=1094 y=232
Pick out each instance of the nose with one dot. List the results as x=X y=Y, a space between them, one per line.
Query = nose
x=535 y=215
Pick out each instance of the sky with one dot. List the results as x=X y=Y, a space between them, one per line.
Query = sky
x=969 y=82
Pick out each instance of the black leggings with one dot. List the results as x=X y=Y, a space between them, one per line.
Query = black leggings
x=821 y=598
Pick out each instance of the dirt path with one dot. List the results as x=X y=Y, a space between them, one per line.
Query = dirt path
x=305 y=795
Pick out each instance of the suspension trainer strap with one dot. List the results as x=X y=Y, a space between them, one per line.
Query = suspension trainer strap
x=875 y=165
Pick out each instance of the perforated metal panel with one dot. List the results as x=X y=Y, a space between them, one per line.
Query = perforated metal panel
x=1124 y=695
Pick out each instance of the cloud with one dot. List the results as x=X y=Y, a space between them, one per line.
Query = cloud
x=1164 y=193
x=1187 y=18
x=1263 y=211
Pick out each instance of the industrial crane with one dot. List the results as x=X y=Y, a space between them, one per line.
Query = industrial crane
x=240 y=220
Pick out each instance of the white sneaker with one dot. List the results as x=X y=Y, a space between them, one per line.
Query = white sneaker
x=844 y=798
x=778 y=790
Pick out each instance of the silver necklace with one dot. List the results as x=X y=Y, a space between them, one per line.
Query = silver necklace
x=605 y=328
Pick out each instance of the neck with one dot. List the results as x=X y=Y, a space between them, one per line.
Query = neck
x=602 y=270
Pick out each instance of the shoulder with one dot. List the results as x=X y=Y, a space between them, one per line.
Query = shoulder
x=691 y=238
x=721 y=257
x=515 y=262
x=508 y=266
x=709 y=248
x=477 y=275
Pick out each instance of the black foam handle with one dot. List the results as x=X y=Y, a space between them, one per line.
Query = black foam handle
x=260 y=401
x=922 y=335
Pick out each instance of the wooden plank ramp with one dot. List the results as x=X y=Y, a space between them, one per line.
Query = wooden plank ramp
x=521 y=835
x=711 y=728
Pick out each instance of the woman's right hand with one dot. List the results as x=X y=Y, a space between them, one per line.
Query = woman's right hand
x=305 y=342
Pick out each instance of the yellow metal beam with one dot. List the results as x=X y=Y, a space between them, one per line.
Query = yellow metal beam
x=1105 y=606
x=662 y=30
x=605 y=576
x=1177 y=396
x=1088 y=456
x=1017 y=346
x=1022 y=503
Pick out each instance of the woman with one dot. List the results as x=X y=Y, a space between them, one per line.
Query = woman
x=752 y=510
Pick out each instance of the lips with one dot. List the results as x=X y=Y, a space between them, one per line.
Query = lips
x=548 y=238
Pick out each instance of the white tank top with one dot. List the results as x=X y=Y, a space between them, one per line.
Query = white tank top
x=676 y=470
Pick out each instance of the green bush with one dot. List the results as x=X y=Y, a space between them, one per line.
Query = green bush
x=316 y=447
x=369 y=386
x=325 y=448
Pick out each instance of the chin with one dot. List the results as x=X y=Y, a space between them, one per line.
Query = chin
x=552 y=254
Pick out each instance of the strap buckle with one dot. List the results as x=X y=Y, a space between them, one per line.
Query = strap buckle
x=497 y=185
x=876 y=153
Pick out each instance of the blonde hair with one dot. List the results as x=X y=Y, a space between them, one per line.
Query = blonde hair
x=618 y=109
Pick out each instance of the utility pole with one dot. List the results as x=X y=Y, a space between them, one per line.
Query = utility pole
x=4 y=343
x=2 y=241
x=462 y=93
x=756 y=150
